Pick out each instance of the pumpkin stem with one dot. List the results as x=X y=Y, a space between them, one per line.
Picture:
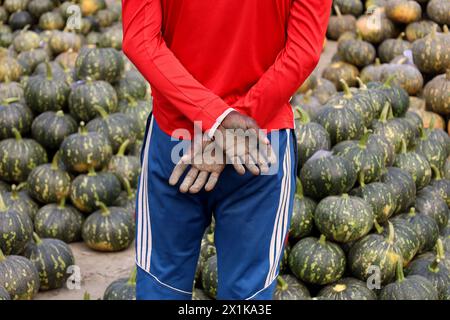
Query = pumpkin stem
x=101 y=111
x=361 y=178
x=131 y=100
x=362 y=85
x=401 y=36
x=36 y=238
x=436 y=171
x=62 y=202
x=432 y=123
x=340 y=287
x=123 y=148
x=210 y=237
x=282 y=283
x=55 y=159
x=86 y=296
x=82 y=129
x=363 y=141
x=347 y=93
x=385 y=112
x=17 y=134
x=445 y=29
x=388 y=82
x=440 y=253
x=91 y=171
x=103 y=208
x=391 y=233
x=322 y=239
x=338 y=11
x=21 y=186
x=2 y=256
x=59 y=113
x=299 y=188
x=3 y=206
x=412 y=212
x=377 y=62
x=48 y=70
x=302 y=115
x=132 y=278
x=404 y=148
x=399 y=271
x=127 y=186
x=7 y=101
x=377 y=226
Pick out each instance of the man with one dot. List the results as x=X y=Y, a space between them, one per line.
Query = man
x=221 y=64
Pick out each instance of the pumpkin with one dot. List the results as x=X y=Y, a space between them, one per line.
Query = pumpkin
x=375 y=250
x=308 y=103
x=372 y=72
x=339 y=24
x=403 y=186
x=357 y=52
x=302 y=216
x=135 y=149
x=10 y=69
x=309 y=84
x=329 y=175
x=125 y=167
x=347 y=289
x=353 y=7
x=311 y=136
x=289 y=288
x=127 y=199
x=396 y=95
x=51 y=21
x=440 y=185
x=46 y=93
x=51 y=128
x=341 y=70
x=446 y=171
x=413 y=287
x=438 y=11
x=39 y=7
x=4 y=187
x=16 y=229
x=4 y=295
x=122 y=289
x=131 y=84
x=19 y=156
x=48 y=183
x=434 y=271
x=19 y=277
x=26 y=40
x=209 y=277
x=87 y=94
x=11 y=89
x=198 y=294
x=403 y=11
x=111 y=38
x=432 y=148
x=207 y=250
x=19 y=199
x=89 y=7
x=420 y=29
x=84 y=149
x=343 y=218
x=407 y=76
x=439 y=137
x=19 y=20
x=29 y=60
x=15 y=5
x=437 y=94
x=108 y=229
x=51 y=258
x=99 y=64
x=67 y=59
x=432 y=53
x=376 y=27
x=118 y=127
x=138 y=110
x=415 y=122
x=416 y=164
x=324 y=90
x=61 y=41
x=391 y=48
x=14 y=115
x=426 y=228
x=105 y=18
x=3 y=15
x=429 y=117
x=430 y=203
x=93 y=38
x=87 y=189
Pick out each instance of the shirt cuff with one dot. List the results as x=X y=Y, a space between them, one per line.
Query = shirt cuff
x=218 y=122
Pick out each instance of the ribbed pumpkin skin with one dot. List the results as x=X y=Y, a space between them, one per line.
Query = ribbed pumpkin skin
x=415 y=123
x=308 y=103
x=337 y=25
x=108 y=232
x=4 y=295
x=126 y=168
x=51 y=21
x=431 y=204
x=347 y=289
x=357 y=52
x=396 y=95
x=324 y=90
x=16 y=229
x=85 y=95
x=440 y=278
x=393 y=131
x=417 y=165
x=406 y=239
x=403 y=186
x=414 y=287
x=420 y=29
x=47 y=183
x=289 y=288
x=435 y=153
x=438 y=11
x=51 y=128
x=21 y=202
x=99 y=64
x=379 y=142
x=19 y=20
x=391 y=48
x=436 y=94
x=61 y=41
x=317 y=262
x=209 y=277
x=199 y=294
x=10 y=69
x=407 y=76
x=341 y=70
x=311 y=137
x=51 y=257
x=139 y=111
x=59 y=222
x=15 y=5
x=26 y=40
x=327 y=176
x=432 y=53
x=86 y=189
x=353 y=7
x=127 y=201
x=39 y=7
x=302 y=217
x=120 y=289
x=442 y=187
x=82 y=150
x=67 y=59
x=440 y=137
x=132 y=84
x=19 y=277
x=403 y=11
x=343 y=218
x=11 y=90
x=18 y=157
x=29 y=60
x=111 y=38
x=14 y=115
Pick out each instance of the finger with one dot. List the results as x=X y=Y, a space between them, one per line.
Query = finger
x=271 y=156
x=177 y=173
x=189 y=180
x=212 y=181
x=253 y=168
x=238 y=166
x=199 y=182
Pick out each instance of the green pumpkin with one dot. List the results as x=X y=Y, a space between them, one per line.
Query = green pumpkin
x=122 y=289
x=111 y=38
x=431 y=148
x=39 y=7
x=88 y=94
x=118 y=127
x=84 y=149
x=433 y=270
x=61 y=41
x=99 y=64
x=132 y=84
x=15 y=5
x=51 y=128
x=209 y=277
x=136 y=148
x=357 y=51
x=302 y=215
x=46 y=93
x=440 y=137
x=198 y=294
x=52 y=258
x=396 y=95
x=127 y=199
x=4 y=295
x=19 y=277
x=402 y=184
x=331 y=175
x=88 y=189
x=438 y=11
x=26 y=40
x=29 y=60
x=446 y=171
x=347 y=289
x=375 y=251
x=375 y=100
x=413 y=287
x=59 y=221
x=441 y=186
x=406 y=75
x=139 y=110
x=19 y=156
x=416 y=164
x=379 y=143
x=16 y=229
x=6 y=35
x=341 y=70
x=376 y=27
x=125 y=167
x=415 y=123
x=289 y=288
x=353 y=7
x=372 y=72
x=311 y=136
x=10 y=69
x=391 y=48
x=339 y=24
x=317 y=261
x=426 y=228
x=14 y=115
x=207 y=250
x=48 y=183
x=51 y=21
x=430 y=203
x=420 y=29
x=432 y=53
x=343 y=218
x=93 y=38
x=324 y=90
x=20 y=200
x=308 y=103
x=11 y=89
x=108 y=229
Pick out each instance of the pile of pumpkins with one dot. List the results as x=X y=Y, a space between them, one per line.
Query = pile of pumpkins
x=73 y=113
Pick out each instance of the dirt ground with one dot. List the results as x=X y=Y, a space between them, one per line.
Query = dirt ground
x=98 y=270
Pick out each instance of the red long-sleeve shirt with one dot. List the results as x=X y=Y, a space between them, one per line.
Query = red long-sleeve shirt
x=203 y=57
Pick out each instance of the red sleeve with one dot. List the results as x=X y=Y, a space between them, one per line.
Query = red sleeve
x=306 y=30
x=144 y=45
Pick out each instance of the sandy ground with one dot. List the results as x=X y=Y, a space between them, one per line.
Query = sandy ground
x=98 y=270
